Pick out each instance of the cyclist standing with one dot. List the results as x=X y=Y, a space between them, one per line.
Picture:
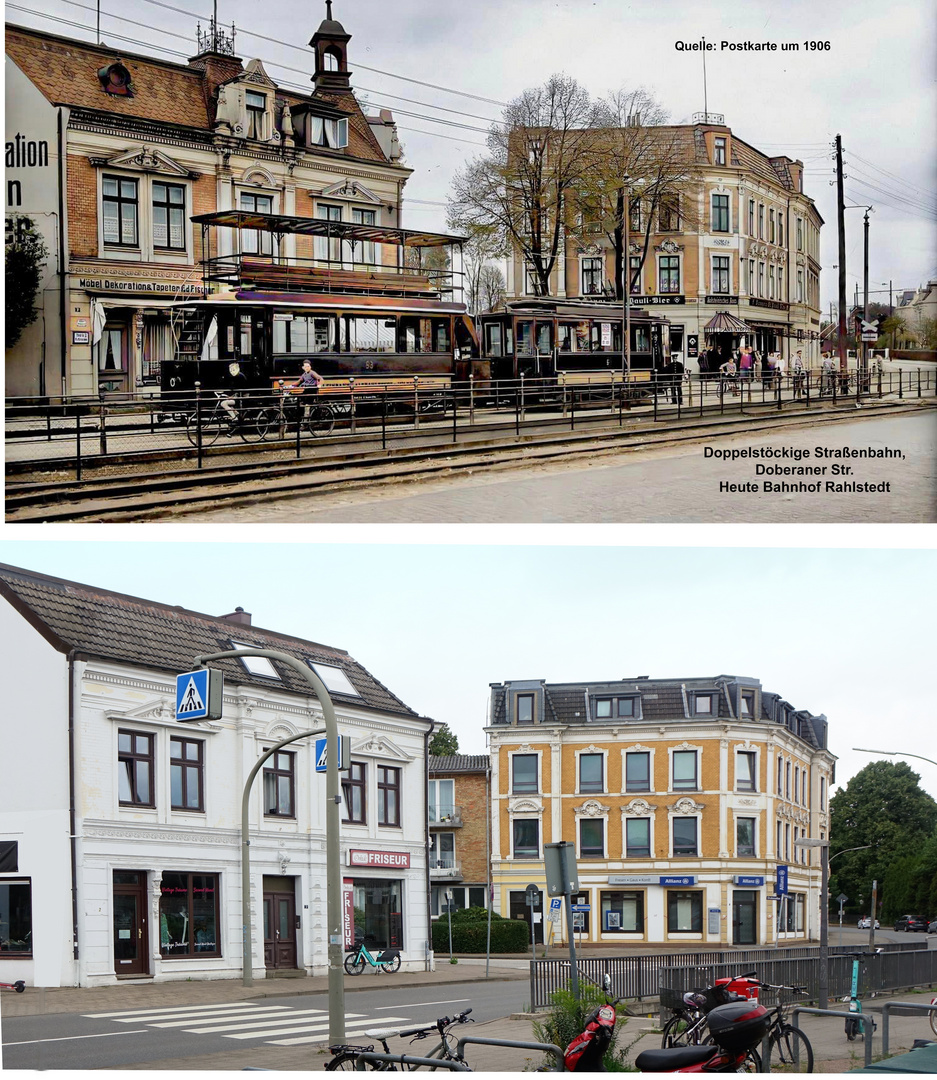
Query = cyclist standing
x=308 y=382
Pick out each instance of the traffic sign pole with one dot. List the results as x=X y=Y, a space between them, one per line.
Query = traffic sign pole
x=332 y=824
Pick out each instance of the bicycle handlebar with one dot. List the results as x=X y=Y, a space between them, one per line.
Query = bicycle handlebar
x=442 y=1022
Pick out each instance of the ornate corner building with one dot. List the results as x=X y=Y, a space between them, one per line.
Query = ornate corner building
x=683 y=797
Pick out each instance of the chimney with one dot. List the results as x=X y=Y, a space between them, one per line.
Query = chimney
x=239 y=615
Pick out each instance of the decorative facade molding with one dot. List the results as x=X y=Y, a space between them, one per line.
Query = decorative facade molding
x=525 y=806
x=669 y=247
x=167 y=836
x=145 y=160
x=685 y=806
x=591 y=808
x=638 y=808
x=349 y=189
x=379 y=745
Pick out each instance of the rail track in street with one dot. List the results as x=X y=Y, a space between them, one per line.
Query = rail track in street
x=133 y=493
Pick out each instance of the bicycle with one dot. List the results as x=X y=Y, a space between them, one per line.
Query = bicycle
x=388 y=961
x=933 y=1018
x=316 y=419
x=789 y=1049
x=246 y=421
x=346 y=1056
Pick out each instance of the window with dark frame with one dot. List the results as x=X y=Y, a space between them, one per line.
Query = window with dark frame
x=638 y=838
x=684 y=911
x=591 y=277
x=353 y=794
x=120 y=204
x=388 y=795
x=186 y=773
x=168 y=216
x=638 y=770
x=745 y=836
x=669 y=268
x=591 y=838
x=256 y=105
x=685 y=836
x=669 y=213
x=591 y=773
x=279 y=785
x=745 y=770
x=622 y=912
x=135 y=776
x=720 y=148
x=188 y=915
x=525 y=708
x=747 y=704
x=720 y=273
x=751 y=217
x=526 y=838
x=634 y=216
x=684 y=770
x=16 y=917
x=703 y=704
x=761 y=221
x=256 y=241
x=720 y=213
x=524 y=774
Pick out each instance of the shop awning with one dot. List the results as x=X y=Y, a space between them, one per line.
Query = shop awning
x=724 y=323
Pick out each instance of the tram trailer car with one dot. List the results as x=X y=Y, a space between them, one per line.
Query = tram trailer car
x=574 y=343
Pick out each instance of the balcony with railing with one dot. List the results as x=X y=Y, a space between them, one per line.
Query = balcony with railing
x=445 y=817
x=445 y=869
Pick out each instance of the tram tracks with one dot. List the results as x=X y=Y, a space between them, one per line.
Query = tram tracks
x=146 y=496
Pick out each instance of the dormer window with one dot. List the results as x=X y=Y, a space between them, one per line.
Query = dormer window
x=256 y=105
x=325 y=132
x=720 y=151
x=525 y=708
x=704 y=704
x=610 y=708
x=747 y=703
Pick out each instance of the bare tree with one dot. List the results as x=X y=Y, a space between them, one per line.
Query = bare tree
x=492 y=288
x=536 y=156
x=482 y=245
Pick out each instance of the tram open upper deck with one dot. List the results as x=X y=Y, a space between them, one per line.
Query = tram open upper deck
x=358 y=301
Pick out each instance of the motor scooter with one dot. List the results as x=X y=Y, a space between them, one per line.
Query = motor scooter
x=586 y=1051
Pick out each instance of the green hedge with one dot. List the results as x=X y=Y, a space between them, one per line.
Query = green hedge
x=470 y=933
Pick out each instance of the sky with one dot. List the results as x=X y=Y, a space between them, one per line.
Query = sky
x=874 y=85
x=846 y=631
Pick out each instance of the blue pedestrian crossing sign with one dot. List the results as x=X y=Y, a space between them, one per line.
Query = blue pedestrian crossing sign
x=344 y=754
x=199 y=695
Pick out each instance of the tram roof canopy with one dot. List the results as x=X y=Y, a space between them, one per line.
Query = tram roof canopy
x=343 y=230
x=724 y=323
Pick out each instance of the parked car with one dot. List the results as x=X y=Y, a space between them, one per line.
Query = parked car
x=911 y=922
x=932 y=928
x=864 y=922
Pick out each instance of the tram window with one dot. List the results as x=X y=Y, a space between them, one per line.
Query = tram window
x=441 y=335
x=370 y=335
x=246 y=349
x=304 y=334
x=544 y=337
x=525 y=338
x=640 y=339
x=493 y=339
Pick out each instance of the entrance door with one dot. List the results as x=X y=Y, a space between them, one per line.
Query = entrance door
x=279 y=930
x=113 y=357
x=744 y=918
x=520 y=910
x=130 y=923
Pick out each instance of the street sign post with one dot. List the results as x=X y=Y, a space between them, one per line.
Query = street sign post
x=344 y=754
x=199 y=695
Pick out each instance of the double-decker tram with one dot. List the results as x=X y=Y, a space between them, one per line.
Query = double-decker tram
x=574 y=343
x=372 y=308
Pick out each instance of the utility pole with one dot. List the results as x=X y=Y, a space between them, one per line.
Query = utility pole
x=864 y=354
x=841 y=227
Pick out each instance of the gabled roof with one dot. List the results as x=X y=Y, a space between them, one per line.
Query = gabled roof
x=128 y=630
x=458 y=763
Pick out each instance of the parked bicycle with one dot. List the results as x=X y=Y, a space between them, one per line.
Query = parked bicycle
x=789 y=1049
x=316 y=419
x=346 y=1056
x=933 y=1018
x=248 y=421
x=388 y=960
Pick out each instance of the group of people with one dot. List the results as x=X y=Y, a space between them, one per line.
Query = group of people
x=308 y=383
x=746 y=361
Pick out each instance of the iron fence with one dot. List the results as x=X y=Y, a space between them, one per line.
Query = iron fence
x=642 y=976
x=203 y=428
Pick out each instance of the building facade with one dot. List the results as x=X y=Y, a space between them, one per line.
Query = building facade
x=134 y=147
x=120 y=840
x=738 y=237
x=459 y=816
x=683 y=798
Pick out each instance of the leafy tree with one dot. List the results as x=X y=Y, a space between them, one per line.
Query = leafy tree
x=882 y=806
x=444 y=742
x=26 y=254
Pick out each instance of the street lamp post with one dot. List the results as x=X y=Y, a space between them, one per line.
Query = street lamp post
x=894 y=753
x=332 y=821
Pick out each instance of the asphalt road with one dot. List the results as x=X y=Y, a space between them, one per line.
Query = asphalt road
x=675 y=484
x=128 y=1037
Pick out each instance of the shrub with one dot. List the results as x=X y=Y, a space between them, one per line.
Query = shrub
x=567 y=1019
x=470 y=932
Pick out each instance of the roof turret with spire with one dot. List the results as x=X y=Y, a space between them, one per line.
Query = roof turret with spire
x=330 y=43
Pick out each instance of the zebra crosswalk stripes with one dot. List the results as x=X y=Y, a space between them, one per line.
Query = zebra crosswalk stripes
x=244 y=1020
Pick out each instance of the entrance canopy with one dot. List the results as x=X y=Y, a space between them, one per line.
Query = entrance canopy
x=724 y=323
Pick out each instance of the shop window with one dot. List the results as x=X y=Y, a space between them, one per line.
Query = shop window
x=16 y=918
x=685 y=836
x=168 y=216
x=185 y=773
x=684 y=911
x=353 y=794
x=744 y=836
x=720 y=213
x=591 y=277
x=524 y=778
x=745 y=770
x=622 y=912
x=591 y=773
x=120 y=201
x=442 y=851
x=326 y=132
x=279 y=785
x=379 y=899
x=591 y=838
x=669 y=268
x=526 y=838
x=525 y=708
x=441 y=800
x=112 y=350
x=256 y=241
x=135 y=769
x=188 y=915
x=685 y=770
x=638 y=770
x=388 y=795
x=638 y=838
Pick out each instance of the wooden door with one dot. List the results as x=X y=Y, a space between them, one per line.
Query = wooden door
x=279 y=930
x=130 y=923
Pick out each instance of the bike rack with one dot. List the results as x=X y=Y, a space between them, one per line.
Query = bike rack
x=550 y=1048
x=363 y=1060
x=865 y=1019
x=890 y=1007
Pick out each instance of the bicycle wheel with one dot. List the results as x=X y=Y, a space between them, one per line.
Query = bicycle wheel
x=678 y=1032
x=751 y=1064
x=212 y=426
x=933 y=1019
x=790 y=1051
x=255 y=423
x=319 y=420
x=391 y=966
x=346 y=1063
x=354 y=963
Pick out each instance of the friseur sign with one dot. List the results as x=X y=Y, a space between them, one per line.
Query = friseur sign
x=398 y=860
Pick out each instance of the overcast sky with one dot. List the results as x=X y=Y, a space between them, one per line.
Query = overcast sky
x=842 y=631
x=875 y=85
